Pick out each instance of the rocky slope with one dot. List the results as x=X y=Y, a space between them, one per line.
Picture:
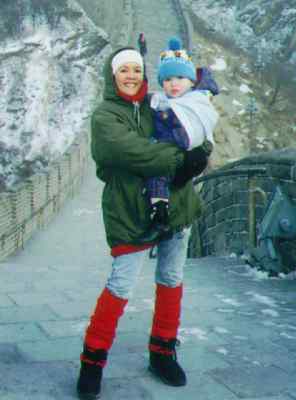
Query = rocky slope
x=50 y=57
x=266 y=29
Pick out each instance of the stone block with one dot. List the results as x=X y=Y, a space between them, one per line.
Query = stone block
x=126 y=365
x=59 y=329
x=210 y=220
x=293 y=173
x=221 y=215
x=255 y=381
x=37 y=298
x=238 y=225
x=241 y=197
x=15 y=333
x=64 y=349
x=239 y=184
x=26 y=314
x=280 y=171
x=9 y=354
x=5 y=301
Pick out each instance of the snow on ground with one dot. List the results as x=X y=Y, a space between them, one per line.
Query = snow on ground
x=219 y=65
x=255 y=274
x=258 y=298
x=272 y=313
x=185 y=334
x=219 y=329
x=229 y=301
x=237 y=103
x=245 y=88
x=222 y=350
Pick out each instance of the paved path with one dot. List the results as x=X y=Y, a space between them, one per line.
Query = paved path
x=238 y=332
x=158 y=21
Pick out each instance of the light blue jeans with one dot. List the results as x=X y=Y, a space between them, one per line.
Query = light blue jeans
x=171 y=258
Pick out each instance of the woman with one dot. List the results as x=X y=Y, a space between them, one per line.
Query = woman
x=125 y=157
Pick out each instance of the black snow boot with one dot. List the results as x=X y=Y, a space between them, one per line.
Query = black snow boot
x=163 y=361
x=91 y=372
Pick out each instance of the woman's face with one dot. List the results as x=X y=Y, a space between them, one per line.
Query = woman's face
x=129 y=78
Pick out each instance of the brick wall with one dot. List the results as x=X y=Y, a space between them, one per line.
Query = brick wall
x=224 y=226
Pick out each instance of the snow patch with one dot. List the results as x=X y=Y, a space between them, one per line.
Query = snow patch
x=219 y=65
x=186 y=333
x=236 y=103
x=245 y=89
x=231 y=302
x=258 y=298
x=226 y=310
x=272 y=313
x=82 y=211
x=287 y=336
x=219 y=329
x=222 y=350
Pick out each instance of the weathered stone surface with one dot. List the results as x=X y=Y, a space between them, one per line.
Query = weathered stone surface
x=227 y=218
x=260 y=27
x=51 y=54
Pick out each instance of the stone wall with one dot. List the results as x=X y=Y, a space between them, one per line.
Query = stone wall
x=114 y=16
x=186 y=26
x=226 y=224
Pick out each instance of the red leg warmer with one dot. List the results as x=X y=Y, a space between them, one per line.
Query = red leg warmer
x=101 y=330
x=167 y=312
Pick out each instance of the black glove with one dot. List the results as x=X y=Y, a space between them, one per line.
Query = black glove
x=195 y=162
x=160 y=213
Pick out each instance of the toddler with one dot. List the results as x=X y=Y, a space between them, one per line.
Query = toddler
x=185 y=116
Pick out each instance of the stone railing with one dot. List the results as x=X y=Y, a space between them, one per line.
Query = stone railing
x=235 y=199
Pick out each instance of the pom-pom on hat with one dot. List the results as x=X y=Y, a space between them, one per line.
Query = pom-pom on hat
x=175 y=61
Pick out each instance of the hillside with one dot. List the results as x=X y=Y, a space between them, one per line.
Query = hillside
x=265 y=29
x=51 y=54
x=241 y=131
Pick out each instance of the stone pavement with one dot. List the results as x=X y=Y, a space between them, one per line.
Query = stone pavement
x=238 y=334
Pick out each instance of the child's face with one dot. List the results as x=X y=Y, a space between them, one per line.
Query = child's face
x=176 y=86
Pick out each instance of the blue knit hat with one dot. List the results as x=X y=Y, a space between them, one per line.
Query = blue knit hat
x=175 y=61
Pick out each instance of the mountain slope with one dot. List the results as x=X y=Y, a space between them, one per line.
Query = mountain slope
x=50 y=54
x=266 y=29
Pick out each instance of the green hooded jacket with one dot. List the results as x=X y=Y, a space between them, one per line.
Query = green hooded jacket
x=125 y=156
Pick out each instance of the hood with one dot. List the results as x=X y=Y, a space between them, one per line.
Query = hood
x=110 y=89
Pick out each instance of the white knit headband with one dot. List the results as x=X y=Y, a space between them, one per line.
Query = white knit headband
x=126 y=56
